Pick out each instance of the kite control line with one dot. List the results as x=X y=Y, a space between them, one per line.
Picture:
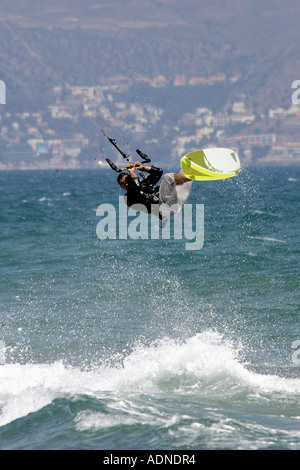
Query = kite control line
x=57 y=77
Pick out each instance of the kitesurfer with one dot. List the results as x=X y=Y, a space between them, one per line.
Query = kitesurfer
x=142 y=191
x=146 y=191
x=164 y=200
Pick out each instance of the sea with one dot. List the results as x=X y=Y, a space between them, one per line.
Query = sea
x=142 y=344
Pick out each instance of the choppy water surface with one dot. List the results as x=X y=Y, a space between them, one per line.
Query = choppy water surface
x=142 y=344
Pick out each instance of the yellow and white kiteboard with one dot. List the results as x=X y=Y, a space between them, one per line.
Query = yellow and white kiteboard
x=211 y=164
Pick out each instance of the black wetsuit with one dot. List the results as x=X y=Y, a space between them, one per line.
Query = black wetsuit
x=144 y=191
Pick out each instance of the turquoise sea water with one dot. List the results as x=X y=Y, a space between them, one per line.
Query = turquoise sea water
x=142 y=344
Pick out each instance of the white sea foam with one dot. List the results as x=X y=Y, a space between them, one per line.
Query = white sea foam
x=268 y=239
x=268 y=213
x=43 y=199
x=27 y=388
x=204 y=365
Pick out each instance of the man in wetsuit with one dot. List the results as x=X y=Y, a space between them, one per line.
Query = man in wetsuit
x=144 y=191
x=141 y=191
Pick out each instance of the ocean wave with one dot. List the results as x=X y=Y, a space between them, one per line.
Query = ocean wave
x=203 y=366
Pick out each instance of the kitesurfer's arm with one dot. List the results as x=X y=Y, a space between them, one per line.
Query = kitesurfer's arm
x=154 y=174
x=131 y=171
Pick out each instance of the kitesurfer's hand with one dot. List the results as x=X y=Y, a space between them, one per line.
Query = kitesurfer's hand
x=131 y=170
x=133 y=165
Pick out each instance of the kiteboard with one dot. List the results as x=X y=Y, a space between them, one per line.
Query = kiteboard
x=211 y=164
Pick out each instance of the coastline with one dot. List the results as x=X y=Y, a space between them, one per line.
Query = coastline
x=267 y=161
